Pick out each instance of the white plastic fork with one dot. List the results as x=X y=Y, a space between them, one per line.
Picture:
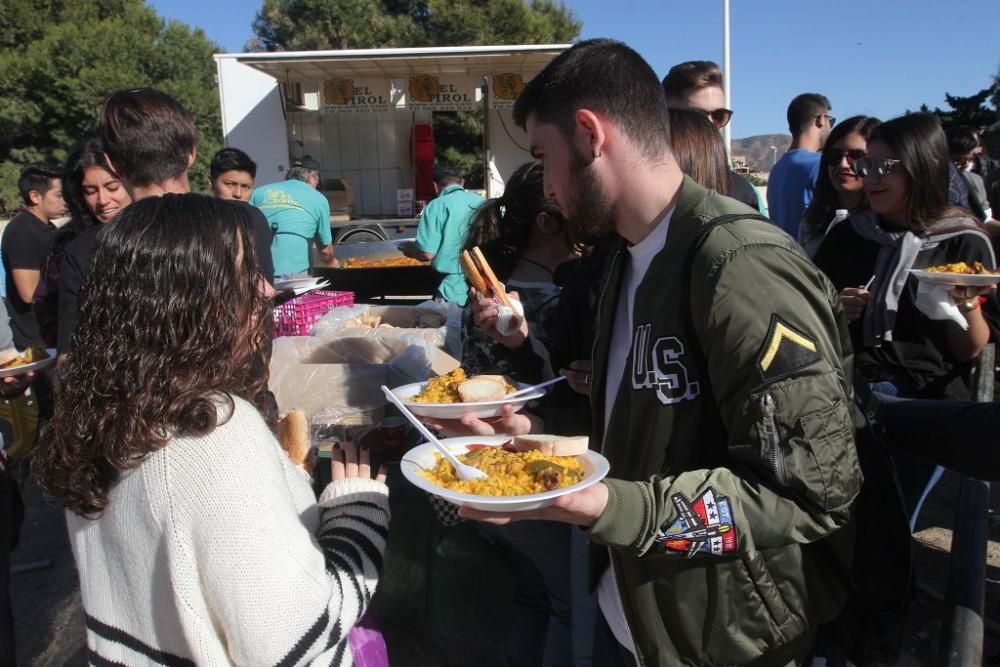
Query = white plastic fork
x=462 y=471
x=528 y=390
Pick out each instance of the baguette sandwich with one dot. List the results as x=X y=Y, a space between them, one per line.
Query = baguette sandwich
x=480 y=275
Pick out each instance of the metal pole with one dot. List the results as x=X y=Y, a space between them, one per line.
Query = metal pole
x=962 y=627
x=727 y=77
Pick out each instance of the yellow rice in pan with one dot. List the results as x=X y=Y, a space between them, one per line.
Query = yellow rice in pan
x=506 y=472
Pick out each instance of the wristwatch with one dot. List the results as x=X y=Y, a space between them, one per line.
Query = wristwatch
x=969 y=305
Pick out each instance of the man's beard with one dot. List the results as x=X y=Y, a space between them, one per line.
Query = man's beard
x=592 y=215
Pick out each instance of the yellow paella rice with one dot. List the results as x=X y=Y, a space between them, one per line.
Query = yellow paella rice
x=442 y=389
x=509 y=473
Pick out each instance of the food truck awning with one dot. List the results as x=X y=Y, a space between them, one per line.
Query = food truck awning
x=311 y=66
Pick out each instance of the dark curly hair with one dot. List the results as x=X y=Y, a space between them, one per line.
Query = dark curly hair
x=503 y=226
x=170 y=322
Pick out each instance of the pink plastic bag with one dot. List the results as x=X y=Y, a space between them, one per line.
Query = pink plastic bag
x=367 y=643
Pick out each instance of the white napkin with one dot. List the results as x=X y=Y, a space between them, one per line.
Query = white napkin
x=935 y=302
x=509 y=319
x=319 y=283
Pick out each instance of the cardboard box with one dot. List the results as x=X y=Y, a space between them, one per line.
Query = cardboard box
x=341 y=378
x=340 y=193
x=429 y=324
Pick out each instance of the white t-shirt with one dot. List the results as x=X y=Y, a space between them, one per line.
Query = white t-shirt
x=640 y=257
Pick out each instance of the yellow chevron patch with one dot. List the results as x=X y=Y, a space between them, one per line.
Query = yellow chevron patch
x=785 y=350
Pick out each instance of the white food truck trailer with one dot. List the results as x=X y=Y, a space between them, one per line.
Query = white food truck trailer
x=364 y=114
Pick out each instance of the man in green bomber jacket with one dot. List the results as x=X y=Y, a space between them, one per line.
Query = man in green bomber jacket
x=720 y=389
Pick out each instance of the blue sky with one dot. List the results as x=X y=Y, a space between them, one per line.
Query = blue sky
x=877 y=57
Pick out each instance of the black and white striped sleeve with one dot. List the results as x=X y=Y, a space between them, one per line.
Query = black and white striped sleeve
x=281 y=592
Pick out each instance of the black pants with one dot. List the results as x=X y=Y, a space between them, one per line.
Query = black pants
x=11 y=513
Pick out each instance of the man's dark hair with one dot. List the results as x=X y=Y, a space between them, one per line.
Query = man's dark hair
x=804 y=109
x=37 y=176
x=606 y=77
x=231 y=159
x=962 y=140
x=446 y=175
x=147 y=134
x=692 y=75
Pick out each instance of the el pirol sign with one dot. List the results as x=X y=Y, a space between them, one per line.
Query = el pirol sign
x=338 y=91
x=507 y=86
x=424 y=88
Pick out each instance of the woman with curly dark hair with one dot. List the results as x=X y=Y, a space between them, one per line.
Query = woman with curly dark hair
x=196 y=539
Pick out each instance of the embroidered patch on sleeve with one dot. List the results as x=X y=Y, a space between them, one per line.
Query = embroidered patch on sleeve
x=785 y=350
x=703 y=527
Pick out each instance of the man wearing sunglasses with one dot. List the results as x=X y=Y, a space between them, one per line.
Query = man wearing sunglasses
x=793 y=178
x=697 y=84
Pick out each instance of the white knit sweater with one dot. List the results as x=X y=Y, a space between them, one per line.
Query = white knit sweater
x=214 y=551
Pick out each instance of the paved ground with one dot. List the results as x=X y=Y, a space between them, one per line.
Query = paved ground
x=449 y=615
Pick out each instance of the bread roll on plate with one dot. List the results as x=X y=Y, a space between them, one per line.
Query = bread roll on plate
x=8 y=356
x=553 y=445
x=482 y=388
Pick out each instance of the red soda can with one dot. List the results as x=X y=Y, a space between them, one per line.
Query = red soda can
x=393 y=431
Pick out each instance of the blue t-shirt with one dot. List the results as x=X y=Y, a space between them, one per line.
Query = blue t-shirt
x=443 y=228
x=790 y=188
x=297 y=214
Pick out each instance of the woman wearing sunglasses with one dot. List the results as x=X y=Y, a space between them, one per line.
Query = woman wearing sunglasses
x=838 y=189
x=899 y=350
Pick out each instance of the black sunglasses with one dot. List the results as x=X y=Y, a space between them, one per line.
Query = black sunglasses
x=852 y=155
x=720 y=117
x=880 y=168
x=833 y=121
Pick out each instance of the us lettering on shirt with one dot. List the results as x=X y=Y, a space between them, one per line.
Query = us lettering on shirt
x=659 y=366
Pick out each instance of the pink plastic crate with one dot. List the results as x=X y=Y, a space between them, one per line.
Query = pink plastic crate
x=297 y=317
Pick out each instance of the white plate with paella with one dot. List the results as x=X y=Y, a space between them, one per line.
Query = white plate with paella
x=453 y=395
x=516 y=481
x=958 y=274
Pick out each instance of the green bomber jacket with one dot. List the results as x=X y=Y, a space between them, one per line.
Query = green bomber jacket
x=731 y=443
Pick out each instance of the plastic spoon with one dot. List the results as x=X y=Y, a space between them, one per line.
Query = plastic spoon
x=528 y=390
x=463 y=471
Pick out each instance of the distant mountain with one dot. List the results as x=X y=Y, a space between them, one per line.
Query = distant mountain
x=757 y=150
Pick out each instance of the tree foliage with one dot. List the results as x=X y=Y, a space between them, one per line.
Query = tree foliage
x=299 y=25
x=972 y=110
x=59 y=59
